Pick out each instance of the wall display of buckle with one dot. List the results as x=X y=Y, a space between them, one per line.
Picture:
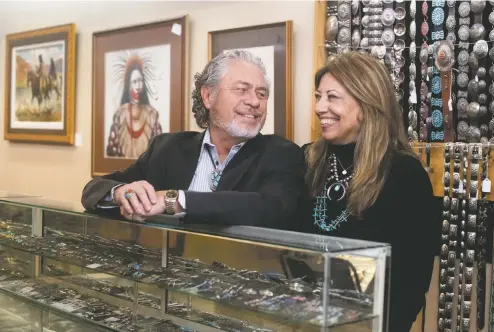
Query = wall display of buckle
x=440 y=72
x=122 y=276
x=440 y=56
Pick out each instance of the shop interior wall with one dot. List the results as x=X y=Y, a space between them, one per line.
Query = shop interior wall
x=60 y=172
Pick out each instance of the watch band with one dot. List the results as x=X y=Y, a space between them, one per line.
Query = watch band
x=171 y=205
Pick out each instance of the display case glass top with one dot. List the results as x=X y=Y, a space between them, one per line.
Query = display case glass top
x=318 y=243
x=163 y=275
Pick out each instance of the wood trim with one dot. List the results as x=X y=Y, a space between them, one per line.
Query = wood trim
x=289 y=80
x=319 y=59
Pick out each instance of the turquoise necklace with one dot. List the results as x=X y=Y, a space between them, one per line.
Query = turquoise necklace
x=335 y=189
x=214 y=178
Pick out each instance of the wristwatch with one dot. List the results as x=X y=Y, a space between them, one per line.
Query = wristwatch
x=171 y=198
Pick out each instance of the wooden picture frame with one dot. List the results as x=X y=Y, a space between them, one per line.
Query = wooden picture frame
x=139 y=90
x=40 y=85
x=274 y=44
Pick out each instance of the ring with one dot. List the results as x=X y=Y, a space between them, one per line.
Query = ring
x=129 y=193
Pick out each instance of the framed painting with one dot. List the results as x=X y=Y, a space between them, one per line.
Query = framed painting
x=139 y=90
x=273 y=44
x=40 y=85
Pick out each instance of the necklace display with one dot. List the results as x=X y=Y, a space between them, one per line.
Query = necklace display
x=335 y=189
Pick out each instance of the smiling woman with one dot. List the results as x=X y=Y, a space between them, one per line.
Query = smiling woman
x=362 y=178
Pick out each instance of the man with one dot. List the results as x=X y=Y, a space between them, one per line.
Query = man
x=229 y=174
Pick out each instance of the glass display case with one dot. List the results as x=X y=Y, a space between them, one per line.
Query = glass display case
x=63 y=269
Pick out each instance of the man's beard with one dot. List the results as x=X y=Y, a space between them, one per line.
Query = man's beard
x=235 y=130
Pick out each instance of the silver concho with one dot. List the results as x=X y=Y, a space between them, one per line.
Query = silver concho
x=355 y=6
x=388 y=16
x=491 y=35
x=491 y=89
x=473 y=61
x=463 y=128
x=477 y=32
x=482 y=98
x=473 y=134
x=462 y=105
x=413 y=30
x=491 y=71
x=463 y=32
x=491 y=17
x=388 y=37
x=481 y=48
x=477 y=6
x=331 y=28
x=451 y=3
x=399 y=45
x=424 y=55
x=491 y=53
x=462 y=80
x=355 y=38
x=344 y=36
x=344 y=11
x=400 y=13
x=364 y=43
x=484 y=130
x=450 y=22
x=463 y=58
x=473 y=110
x=445 y=55
x=413 y=8
x=400 y=29
x=365 y=21
x=481 y=72
x=464 y=9
x=413 y=50
x=451 y=37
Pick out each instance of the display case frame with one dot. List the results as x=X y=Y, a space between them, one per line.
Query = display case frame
x=165 y=243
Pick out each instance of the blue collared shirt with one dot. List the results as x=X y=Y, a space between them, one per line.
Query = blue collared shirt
x=201 y=180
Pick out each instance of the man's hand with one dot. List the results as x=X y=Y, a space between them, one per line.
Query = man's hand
x=141 y=198
x=158 y=208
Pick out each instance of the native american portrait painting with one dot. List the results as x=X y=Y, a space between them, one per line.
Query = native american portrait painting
x=139 y=90
x=137 y=100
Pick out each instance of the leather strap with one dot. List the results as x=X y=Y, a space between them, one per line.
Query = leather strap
x=447 y=114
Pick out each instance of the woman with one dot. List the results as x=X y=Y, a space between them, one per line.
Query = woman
x=366 y=183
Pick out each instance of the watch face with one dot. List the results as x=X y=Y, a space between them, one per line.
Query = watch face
x=172 y=194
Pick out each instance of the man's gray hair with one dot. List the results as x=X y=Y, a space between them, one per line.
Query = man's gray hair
x=211 y=76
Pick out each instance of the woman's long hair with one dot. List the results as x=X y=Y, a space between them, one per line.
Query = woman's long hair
x=382 y=133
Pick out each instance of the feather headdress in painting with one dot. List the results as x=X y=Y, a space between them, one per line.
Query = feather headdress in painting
x=130 y=59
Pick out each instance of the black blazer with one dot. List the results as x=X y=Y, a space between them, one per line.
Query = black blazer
x=260 y=186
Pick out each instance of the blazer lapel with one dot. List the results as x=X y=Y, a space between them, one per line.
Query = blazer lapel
x=183 y=170
x=240 y=164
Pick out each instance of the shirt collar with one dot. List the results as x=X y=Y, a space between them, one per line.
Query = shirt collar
x=207 y=141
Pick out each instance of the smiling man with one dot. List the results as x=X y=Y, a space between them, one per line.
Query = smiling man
x=228 y=174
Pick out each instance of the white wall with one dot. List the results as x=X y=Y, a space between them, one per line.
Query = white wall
x=61 y=172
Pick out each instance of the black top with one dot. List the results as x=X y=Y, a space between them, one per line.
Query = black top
x=405 y=215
